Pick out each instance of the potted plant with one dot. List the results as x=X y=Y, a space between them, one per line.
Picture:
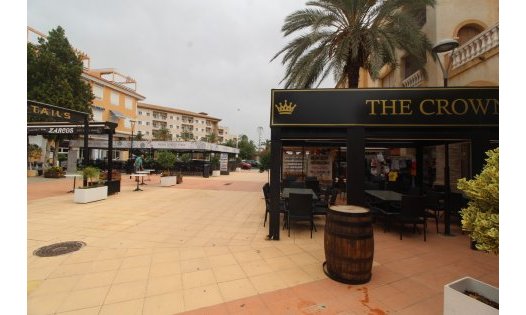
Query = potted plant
x=214 y=160
x=54 y=172
x=481 y=220
x=166 y=160
x=34 y=153
x=93 y=191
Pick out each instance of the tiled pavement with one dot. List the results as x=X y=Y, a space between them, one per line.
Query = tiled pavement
x=200 y=247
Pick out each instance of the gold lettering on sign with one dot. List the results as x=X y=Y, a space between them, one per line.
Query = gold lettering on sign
x=456 y=106
x=389 y=107
x=405 y=107
x=423 y=108
x=35 y=109
x=372 y=103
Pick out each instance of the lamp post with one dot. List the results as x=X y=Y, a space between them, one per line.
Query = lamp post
x=132 y=122
x=443 y=46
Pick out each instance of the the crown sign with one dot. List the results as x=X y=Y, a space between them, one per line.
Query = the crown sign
x=285 y=108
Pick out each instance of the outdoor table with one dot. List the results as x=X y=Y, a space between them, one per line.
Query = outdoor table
x=137 y=179
x=74 y=179
x=145 y=172
x=287 y=191
x=385 y=195
x=150 y=171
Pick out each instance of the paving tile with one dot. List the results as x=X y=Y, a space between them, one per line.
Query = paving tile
x=236 y=289
x=131 y=307
x=170 y=303
x=120 y=292
x=228 y=273
x=165 y=268
x=81 y=299
x=45 y=304
x=84 y=311
x=164 y=284
x=202 y=296
x=267 y=282
x=132 y=274
x=222 y=260
x=56 y=285
x=94 y=280
x=198 y=278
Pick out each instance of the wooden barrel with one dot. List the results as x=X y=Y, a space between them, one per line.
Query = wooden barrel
x=349 y=244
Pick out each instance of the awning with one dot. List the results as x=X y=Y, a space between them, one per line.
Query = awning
x=98 y=107
x=118 y=114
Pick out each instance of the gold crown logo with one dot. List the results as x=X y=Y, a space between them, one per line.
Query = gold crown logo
x=285 y=108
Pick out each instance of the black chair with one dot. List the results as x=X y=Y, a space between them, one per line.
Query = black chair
x=434 y=206
x=412 y=211
x=299 y=208
x=266 y=194
x=314 y=185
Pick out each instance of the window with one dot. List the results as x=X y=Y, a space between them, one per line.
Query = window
x=147 y=123
x=171 y=126
x=147 y=132
x=177 y=118
x=114 y=98
x=467 y=32
x=148 y=114
x=140 y=113
x=172 y=117
x=140 y=122
x=98 y=91
x=177 y=127
x=127 y=123
x=128 y=102
x=97 y=114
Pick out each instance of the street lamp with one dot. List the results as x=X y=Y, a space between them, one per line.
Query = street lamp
x=132 y=122
x=443 y=46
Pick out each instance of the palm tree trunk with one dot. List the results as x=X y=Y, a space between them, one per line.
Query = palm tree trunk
x=353 y=74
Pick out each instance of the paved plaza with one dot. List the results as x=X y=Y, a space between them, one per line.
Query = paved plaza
x=200 y=248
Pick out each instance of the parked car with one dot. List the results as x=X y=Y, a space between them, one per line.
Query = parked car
x=245 y=165
x=254 y=163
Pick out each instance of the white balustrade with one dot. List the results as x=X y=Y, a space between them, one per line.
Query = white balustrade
x=413 y=80
x=476 y=46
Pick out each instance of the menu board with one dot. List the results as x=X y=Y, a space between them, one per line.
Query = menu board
x=292 y=165
x=223 y=162
x=319 y=165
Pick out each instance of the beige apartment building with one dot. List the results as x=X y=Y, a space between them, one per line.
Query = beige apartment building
x=182 y=125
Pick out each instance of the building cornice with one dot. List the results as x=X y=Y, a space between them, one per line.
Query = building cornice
x=174 y=110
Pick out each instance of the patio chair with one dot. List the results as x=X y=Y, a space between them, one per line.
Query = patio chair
x=412 y=211
x=266 y=194
x=300 y=209
x=433 y=206
x=314 y=185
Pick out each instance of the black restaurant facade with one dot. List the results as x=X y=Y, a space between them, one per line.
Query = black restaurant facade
x=336 y=133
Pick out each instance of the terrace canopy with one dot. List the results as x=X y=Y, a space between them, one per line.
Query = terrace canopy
x=397 y=117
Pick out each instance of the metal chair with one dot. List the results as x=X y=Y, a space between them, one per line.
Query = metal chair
x=299 y=208
x=412 y=211
x=266 y=194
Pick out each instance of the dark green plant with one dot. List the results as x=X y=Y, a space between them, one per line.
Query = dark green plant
x=215 y=162
x=166 y=160
x=481 y=217
x=92 y=174
x=342 y=36
x=34 y=153
x=54 y=172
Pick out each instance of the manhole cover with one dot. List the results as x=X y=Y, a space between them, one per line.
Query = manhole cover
x=58 y=249
x=228 y=184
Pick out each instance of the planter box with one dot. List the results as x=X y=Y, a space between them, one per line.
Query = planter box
x=167 y=181
x=456 y=302
x=85 y=195
x=179 y=179
x=216 y=173
x=32 y=173
x=114 y=186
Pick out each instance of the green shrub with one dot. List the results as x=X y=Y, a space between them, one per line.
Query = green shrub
x=166 y=160
x=92 y=174
x=481 y=217
x=54 y=172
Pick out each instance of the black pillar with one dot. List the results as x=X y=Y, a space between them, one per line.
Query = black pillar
x=86 y=148
x=110 y=153
x=275 y=181
x=419 y=180
x=479 y=145
x=447 y=186
x=355 y=170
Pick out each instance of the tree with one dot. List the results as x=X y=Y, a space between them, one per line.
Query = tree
x=139 y=136
x=247 y=148
x=481 y=217
x=346 y=35
x=187 y=136
x=211 y=138
x=54 y=76
x=162 y=134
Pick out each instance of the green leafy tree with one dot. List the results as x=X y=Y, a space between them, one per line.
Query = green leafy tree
x=54 y=76
x=166 y=160
x=211 y=138
x=247 y=148
x=342 y=36
x=187 y=136
x=230 y=143
x=162 y=134
x=139 y=136
x=481 y=217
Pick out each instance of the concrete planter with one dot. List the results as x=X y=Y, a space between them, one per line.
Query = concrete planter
x=216 y=173
x=456 y=302
x=167 y=181
x=85 y=195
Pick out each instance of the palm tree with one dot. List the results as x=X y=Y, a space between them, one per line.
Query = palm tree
x=162 y=134
x=346 y=35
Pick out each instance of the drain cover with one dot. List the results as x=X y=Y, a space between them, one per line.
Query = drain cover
x=58 y=249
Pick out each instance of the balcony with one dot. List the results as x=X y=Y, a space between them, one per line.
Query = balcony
x=476 y=46
x=414 y=80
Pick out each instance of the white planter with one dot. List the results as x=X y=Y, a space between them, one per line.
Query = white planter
x=167 y=181
x=216 y=173
x=456 y=302
x=238 y=169
x=85 y=195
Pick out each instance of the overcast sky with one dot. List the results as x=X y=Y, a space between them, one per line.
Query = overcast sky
x=210 y=55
